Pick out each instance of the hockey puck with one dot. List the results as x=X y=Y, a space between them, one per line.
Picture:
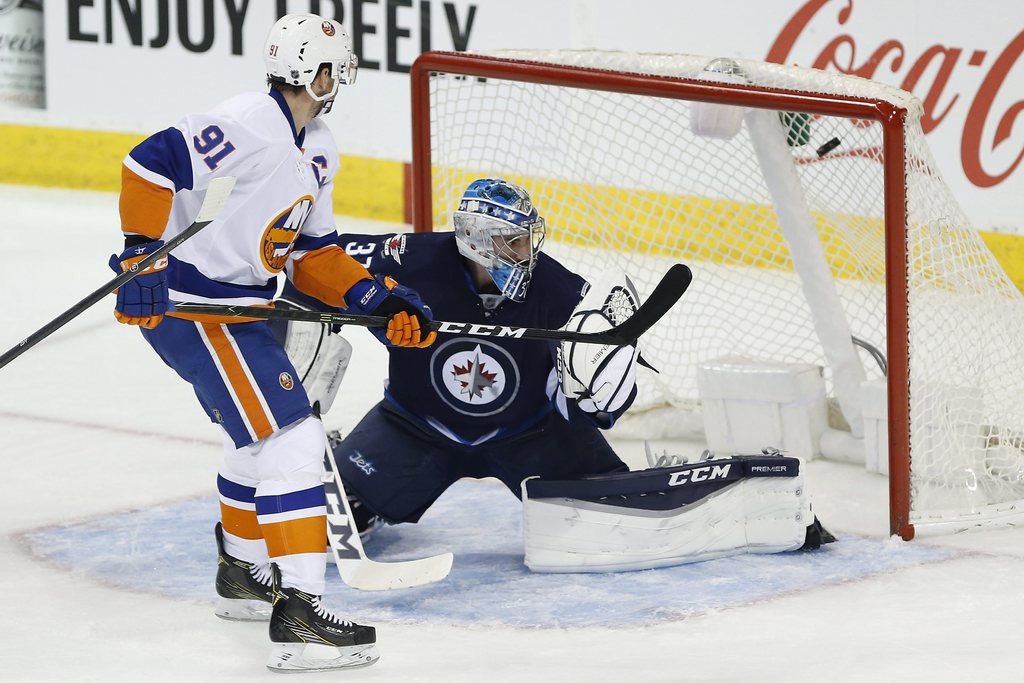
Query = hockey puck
x=827 y=147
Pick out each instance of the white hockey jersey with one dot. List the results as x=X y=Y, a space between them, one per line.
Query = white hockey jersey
x=280 y=210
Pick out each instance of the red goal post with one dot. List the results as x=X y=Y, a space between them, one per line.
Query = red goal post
x=475 y=115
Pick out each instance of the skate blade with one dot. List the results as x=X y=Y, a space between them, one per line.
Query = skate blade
x=234 y=609
x=300 y=657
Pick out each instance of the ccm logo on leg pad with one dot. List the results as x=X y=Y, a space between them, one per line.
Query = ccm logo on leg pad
x=699 y=474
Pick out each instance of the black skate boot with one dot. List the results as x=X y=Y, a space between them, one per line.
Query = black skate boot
x=244 y=587
x=306 y=636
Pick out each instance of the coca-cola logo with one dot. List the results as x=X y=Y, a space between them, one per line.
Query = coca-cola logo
x=840 y=54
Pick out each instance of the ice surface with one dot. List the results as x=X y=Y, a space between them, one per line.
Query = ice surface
x=107 y=469
x=489 y=584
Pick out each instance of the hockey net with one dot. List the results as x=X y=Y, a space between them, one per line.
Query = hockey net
x=820 y=229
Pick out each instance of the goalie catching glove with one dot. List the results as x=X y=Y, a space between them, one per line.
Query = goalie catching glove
x=601 y=378
x=409 y=317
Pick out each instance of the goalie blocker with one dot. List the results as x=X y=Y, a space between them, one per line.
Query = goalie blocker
x=669 y=515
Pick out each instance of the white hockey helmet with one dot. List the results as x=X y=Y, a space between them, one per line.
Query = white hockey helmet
x=497 y=226
x=299 y=43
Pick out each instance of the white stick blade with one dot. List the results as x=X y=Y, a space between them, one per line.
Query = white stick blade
x=358 y=571
x=367 y=575
x=216 y=197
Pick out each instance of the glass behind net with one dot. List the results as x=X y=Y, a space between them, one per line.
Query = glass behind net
x=625 y=184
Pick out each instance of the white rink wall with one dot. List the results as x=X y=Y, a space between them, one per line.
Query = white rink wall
x=113 y=68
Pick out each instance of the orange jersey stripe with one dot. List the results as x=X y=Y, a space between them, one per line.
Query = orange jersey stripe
x=327 y=274
x=241 y=523
x=296 y=536
x=218 y=319
x=213 y=319
x=238 y=380
x=145 y=206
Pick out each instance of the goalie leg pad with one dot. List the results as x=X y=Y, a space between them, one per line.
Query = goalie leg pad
x=319 y=355
x=666 y=516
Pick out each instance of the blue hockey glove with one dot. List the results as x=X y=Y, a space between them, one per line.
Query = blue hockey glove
x=409 y=316
x=143 y=299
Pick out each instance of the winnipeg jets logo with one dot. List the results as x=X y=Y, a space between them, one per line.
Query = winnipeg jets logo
x=394 y=247
x=474 y=376
x=362 y=463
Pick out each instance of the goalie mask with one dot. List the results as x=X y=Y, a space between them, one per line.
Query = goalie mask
x=298 y=44
x=498 y=227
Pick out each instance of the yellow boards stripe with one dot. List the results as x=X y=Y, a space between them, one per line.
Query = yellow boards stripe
x=375 y=189
x=57 y=157
x=91 y=160
x=705 y=229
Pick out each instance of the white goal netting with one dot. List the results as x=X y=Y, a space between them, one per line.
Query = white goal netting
x=784 y=226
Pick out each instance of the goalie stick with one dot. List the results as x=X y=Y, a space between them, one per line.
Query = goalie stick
x=356 y=569
x=672 y=286
x=216 y=196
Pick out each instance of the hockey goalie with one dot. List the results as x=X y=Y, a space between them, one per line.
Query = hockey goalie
x=514 y=409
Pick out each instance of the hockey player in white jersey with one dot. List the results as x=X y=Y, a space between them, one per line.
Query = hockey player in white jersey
x=272 y=535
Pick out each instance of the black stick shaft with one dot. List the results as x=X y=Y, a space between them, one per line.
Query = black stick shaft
x=76 y=310
x=664 y=296
x=217 y=194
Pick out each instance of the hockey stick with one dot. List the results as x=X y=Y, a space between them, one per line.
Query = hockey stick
x=672 y=286
x=356 y=569
x=216 y=195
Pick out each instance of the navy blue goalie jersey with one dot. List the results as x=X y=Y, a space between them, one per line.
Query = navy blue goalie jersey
x=471 y=389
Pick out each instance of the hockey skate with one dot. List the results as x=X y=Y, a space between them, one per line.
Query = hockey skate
x=306 y=636
x=366 y=522
x=244 y=587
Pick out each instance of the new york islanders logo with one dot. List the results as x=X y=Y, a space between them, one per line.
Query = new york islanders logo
x=328 y=29
x=474 y=376
x=279 y=236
